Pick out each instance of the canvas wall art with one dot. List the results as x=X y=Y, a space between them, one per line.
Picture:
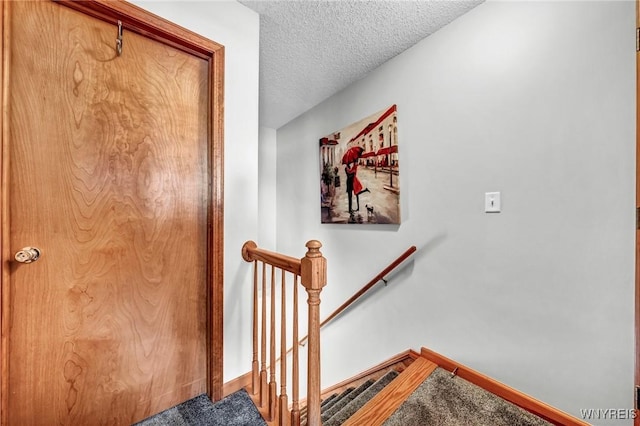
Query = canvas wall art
x=360 y=173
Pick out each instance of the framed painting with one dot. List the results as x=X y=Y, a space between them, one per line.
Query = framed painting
x=360 y=173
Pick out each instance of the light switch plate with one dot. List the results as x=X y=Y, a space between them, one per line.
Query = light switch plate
x=492 y=202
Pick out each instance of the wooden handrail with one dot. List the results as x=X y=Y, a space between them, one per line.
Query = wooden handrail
x=251 y=252
x=367 y=287
x=312 y=271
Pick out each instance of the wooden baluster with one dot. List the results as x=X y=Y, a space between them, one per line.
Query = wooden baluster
x=255 y=368
x=264 y=390
x=313 y=269
x=284 y=402
x=295 y=379
x=272 y=351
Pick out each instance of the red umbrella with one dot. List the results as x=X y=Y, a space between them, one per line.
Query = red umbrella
x=352 y=154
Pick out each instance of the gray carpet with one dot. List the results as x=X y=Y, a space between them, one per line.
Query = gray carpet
x=326 y=404
x=360 y=400
x=339 y=405
x=445 y=400
x=337 y=399
x=236 y=409
x=328 y=400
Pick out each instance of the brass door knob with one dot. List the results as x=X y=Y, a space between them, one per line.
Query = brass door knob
x=27 y=255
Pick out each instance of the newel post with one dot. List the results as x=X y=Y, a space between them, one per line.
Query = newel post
x=313 y=271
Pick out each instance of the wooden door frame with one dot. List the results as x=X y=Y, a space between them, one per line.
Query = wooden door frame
x=137 y=20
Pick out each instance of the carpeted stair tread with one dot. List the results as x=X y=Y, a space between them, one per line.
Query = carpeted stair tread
x=345 y=393
x=236 y=409
x=358 y=402
x=323 y=403
x=329 y=404
x=328 y=399
x=443 y=399
x=338 y=405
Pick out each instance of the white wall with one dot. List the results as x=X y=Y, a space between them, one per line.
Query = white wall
x=237 y=28
x=533 y=99
x=267 y=188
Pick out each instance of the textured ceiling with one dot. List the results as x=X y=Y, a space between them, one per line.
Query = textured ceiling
x=310 y=49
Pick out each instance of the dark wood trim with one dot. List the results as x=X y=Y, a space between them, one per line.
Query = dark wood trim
x=514 y=396
x=136 y=19
x=216 y=234
x=4 y=268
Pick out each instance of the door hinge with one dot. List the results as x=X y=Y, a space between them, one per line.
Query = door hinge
x=637 y=39
x=637 y=398
x=637 y=217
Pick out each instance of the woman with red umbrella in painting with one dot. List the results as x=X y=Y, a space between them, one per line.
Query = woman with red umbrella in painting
x=350 y=159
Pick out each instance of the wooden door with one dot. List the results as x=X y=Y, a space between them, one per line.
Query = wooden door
x=107 y=170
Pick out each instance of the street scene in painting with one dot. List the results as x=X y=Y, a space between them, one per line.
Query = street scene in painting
x=359 y=172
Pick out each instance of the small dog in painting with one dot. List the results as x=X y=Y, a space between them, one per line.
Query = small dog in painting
x=370 y=214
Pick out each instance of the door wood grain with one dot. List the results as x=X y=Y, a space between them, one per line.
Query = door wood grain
x=108 y=167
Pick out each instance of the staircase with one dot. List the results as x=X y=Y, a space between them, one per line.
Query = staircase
x=341 y=408
x=410 y=389
x=414 y=389
x=432 y=389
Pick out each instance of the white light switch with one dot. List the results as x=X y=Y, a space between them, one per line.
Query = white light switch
x=492 y=202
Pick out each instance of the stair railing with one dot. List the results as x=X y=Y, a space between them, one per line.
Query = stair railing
x=380 y=277
x=312 y=271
